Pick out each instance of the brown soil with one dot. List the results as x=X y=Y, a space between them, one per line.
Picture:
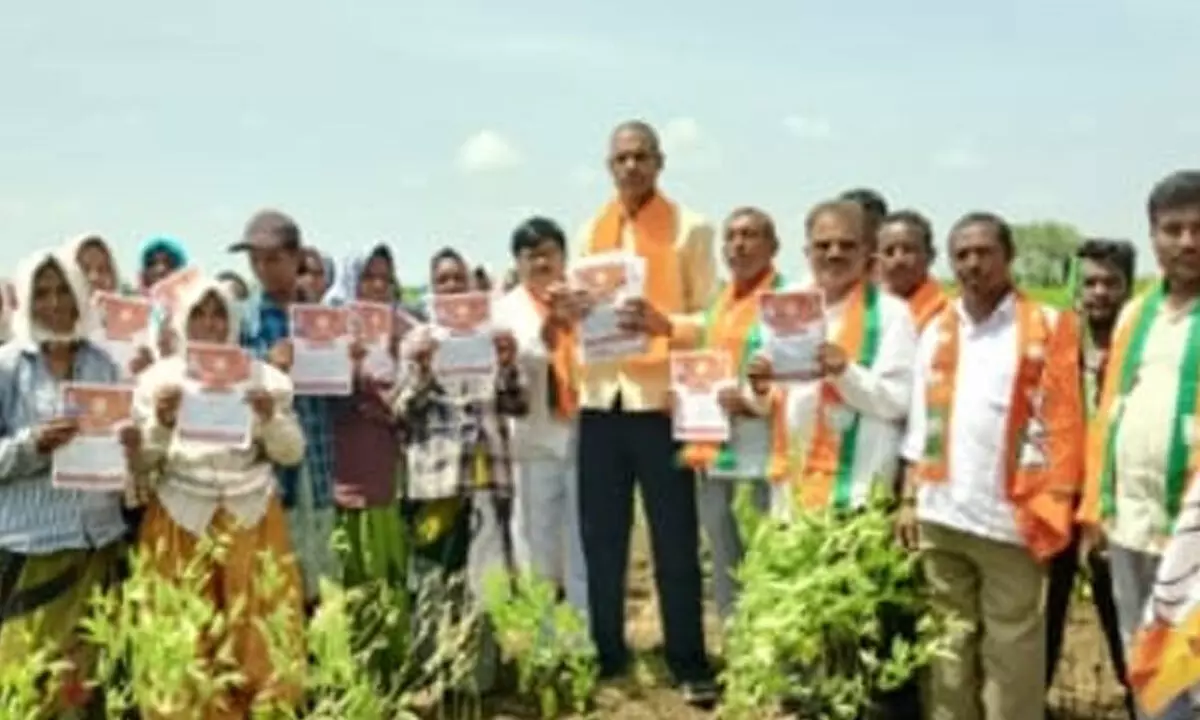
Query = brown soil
x=1084 y=689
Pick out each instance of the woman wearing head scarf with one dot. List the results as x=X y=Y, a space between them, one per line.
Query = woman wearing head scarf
x=57 y=546
x=95 y=259
x=229 y=495
x=96 y=262
x=317 y=274
x=159 y=259
x=160 y=256
x=367 y=463
x=460 y=472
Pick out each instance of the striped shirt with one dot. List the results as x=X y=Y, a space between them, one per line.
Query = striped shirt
x=265 y=324
x=36 y=518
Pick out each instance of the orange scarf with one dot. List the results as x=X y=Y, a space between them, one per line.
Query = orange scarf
x=1047 y=399
x=926 y=302
x=732 y=327
x=828 y=471
x=655 y=227
x=562 y=361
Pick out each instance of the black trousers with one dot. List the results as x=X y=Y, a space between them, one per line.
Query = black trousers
x=1058 y=600
x=616 y=451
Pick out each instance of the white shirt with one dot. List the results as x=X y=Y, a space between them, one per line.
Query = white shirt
x=878 y=394
x=1143 y=443
x=541 y=434
x=974 y=497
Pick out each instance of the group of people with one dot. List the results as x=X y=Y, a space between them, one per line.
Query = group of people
x=973 y=409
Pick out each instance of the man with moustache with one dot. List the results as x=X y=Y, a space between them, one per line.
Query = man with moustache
x=848 y=423
x=625 y=435
x=756 y=450
x=546 y=518
x=994 y=448
x=1105 y=273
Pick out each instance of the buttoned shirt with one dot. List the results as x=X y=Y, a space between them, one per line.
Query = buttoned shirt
x=35 y=517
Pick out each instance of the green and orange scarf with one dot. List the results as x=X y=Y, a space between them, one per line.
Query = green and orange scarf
x=827 y=476
x=1124 y=363
x=732 y=324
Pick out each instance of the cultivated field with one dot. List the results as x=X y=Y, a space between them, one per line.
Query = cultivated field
x=1085 y=688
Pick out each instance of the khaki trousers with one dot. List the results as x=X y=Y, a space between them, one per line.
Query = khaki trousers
x=997 y=667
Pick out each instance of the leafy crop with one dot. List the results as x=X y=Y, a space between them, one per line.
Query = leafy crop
x=547 y=639
x=809 y=631
x=149 y=634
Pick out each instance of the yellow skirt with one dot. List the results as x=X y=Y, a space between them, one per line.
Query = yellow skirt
x=234 y=581
x=44 y=598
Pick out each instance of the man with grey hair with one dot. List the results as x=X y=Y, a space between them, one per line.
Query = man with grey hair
x=625 y=431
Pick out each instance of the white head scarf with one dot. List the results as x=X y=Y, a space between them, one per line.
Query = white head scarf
x=194 y=295
x=24 y=327
x=73 y=247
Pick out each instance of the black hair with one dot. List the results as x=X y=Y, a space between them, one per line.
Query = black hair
x=1000 y=226
x=535 y=231
x=447 y=253
x=231 y=276
x=871 y=201
x=1119 y=254
x=916 y=221
x=1178 y=190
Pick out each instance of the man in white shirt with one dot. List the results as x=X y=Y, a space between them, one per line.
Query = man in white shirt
x=994 y=446
x=546 y=520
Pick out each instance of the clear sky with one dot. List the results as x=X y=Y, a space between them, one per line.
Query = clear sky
x=433 y=123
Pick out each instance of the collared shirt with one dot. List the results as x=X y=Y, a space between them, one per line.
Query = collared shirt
x=540 y=434
x=265 y=324
x=1144 y=440
x=973 y=498
x=646 y=389
x=36 y=518
x=879 y=395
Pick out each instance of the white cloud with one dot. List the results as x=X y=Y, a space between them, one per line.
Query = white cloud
x=687 y=144
x=488 y=151
x=807 y=127
x=959 y=156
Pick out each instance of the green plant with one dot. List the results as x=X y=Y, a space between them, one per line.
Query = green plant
x=809 y=630
x=23 y=686
x=547 y=640
x=149 y=637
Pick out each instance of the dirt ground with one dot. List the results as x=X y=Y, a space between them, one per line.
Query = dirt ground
x=1084 y=689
